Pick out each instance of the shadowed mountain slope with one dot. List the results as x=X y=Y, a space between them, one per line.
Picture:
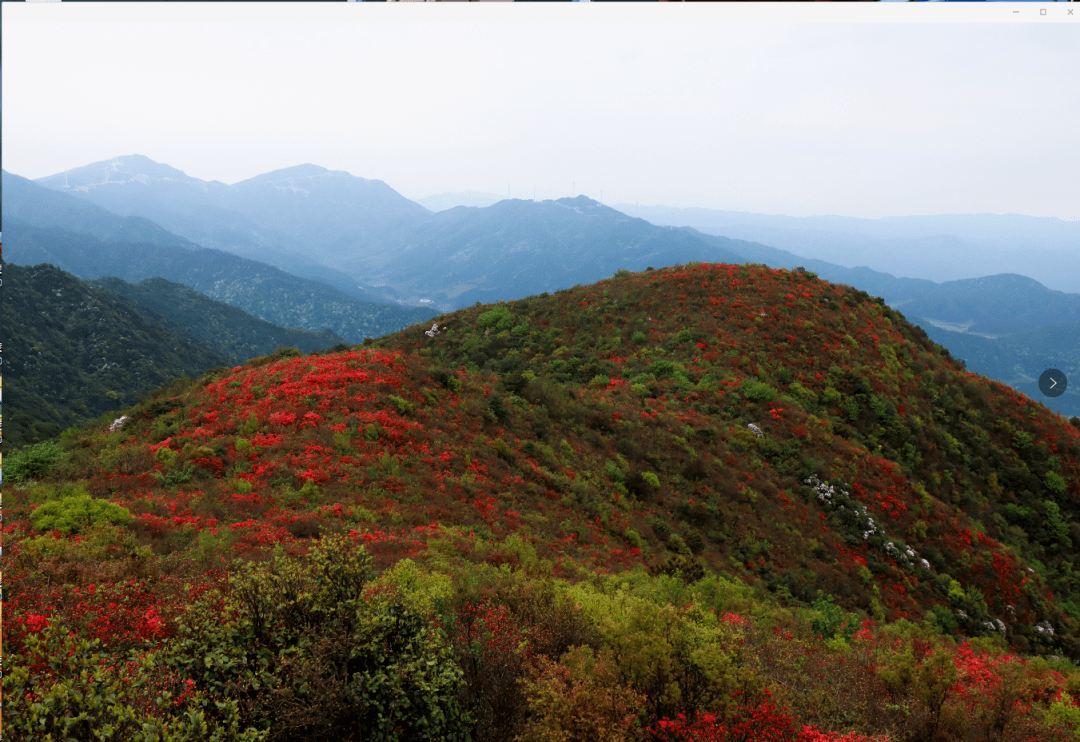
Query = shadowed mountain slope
x=76 y=352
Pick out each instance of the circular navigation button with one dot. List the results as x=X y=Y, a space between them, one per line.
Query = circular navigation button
x=1052 y=383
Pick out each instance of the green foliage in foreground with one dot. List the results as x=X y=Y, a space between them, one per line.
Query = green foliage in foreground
x=316 y=648
x=69 y=688
x=312 y=653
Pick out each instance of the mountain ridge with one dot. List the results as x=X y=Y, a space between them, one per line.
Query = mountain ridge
x=515 y=248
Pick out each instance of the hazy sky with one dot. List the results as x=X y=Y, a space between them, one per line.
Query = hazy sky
x=819 y=118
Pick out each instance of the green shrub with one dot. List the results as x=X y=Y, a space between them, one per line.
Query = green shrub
x=403 y=406
x=659 y=527
x=78 y=513
x=331 y=656
x=175 y=477
x=66 y=689
x=676 y=543
x=498 y=318
x=662 y=368
x=31 y=462
x=829 y=619
x=677 y=659
x=1064 y=715
x=167 y=456
x=755 y=391
x=581 y=698
x=651 y=478
x=250 y=425
x=1055 y=483
x=1057 y=527
x=498 y=409
x=614 y=472
x=502 y=449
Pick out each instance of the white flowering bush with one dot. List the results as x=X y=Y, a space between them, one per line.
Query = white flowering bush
x=860 y=525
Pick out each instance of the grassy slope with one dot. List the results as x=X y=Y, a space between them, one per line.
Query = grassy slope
x=605 y=427
x=938 y=456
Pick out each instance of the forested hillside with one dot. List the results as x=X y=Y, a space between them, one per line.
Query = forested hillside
x=75 y=352
x=80 y=349
x=708 y=502
x=228 y=329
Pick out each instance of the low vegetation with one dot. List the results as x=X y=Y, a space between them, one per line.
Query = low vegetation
x=708 y=502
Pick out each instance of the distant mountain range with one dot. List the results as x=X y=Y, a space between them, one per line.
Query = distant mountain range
x=939 y=248
x=293 y=218
x=364 y=238
x=44 y=226
x=444 y=201
x=516 y=248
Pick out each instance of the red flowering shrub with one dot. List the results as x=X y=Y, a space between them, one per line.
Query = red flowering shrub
x=763 y=721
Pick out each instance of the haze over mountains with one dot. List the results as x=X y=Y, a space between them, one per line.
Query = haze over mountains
x=369 y=242
x=44 y=226
x=444 y=201
x=945 y=247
